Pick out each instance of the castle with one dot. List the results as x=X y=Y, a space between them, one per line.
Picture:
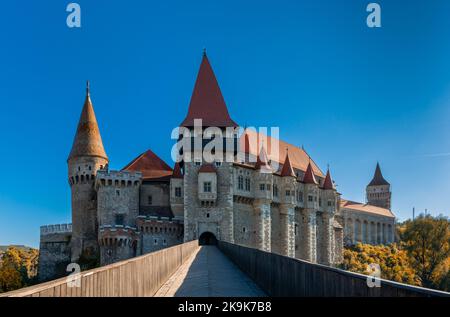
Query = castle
x=271 y=195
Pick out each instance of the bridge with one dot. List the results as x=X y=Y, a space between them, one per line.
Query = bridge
x=222 y=270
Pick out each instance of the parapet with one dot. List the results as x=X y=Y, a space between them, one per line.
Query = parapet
x=118 y=178
x=59 y=228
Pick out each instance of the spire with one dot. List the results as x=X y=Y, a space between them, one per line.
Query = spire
x=177 y=171
x=309 y=177
x=378 y=178
x=87 y=141
x=287 y=169
x=262 y=162
x=207 y=102
x=328 y=182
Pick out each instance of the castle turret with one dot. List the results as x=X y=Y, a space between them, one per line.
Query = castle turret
x=309 y=225
x=262 y=202
x=86 y=158
x=326 y=224
x=287 y=208
x=378 y=191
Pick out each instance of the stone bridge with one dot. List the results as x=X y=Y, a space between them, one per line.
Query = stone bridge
x=222 y=270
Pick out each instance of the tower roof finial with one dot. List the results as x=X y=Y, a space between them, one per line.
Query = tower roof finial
x=88 y=88
x=204 y=51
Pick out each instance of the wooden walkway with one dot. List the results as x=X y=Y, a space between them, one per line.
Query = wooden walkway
x=208 y=273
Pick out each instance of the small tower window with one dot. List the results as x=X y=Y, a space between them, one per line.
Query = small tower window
x=240 y=182
x=207 y=187
x=247 y=184
x=218 y=164
x=262 y=187
x=150 y=200
x=207 y=215
x=119 y=219
x=177 y=191
x=117 y=192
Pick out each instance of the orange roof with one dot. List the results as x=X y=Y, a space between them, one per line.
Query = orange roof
x=151 y=167
x=87 y=141
x=299 y=159
x=352 y=205
x=207 y=102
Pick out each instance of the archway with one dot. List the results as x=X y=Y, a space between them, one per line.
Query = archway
x=207 y=238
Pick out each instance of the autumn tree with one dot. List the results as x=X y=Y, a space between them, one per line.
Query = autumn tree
x=18 y=268
x=427 y=241
x=394 y=262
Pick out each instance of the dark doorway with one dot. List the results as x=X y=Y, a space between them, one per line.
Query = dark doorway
x=207 y=238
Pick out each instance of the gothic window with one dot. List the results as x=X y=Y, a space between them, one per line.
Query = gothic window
x=240 y=182
x=310 y=198
x=207 y=187
x=177 y=191
x=150 y=200
x=262 y=187
x=247 y=184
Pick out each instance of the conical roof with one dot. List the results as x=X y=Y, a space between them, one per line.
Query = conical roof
x=378 y=178
x=87 y=141
x=309 y=177
x=328 y=182
x=287 y=169
x=177 y=171
x=207 y=102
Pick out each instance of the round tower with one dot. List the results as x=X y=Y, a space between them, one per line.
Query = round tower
x=86 y=158
x=378 y=191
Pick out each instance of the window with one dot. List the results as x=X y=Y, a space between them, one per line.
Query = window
x=218 y=164
x=243 y=229
x=119 y=219
x=320 y=201
x=150 y=200
x=330 y=203
x=198 y=163
x=164 y=242
x=177 y=191
x=207 y=187
x=262 y=186
x=275 y=190
x=247 y=184
x=207 y=215
x=155 y=242
x=288 y=193
x=117 y=192
x=299 y=196
x=310 y=198
x=268 y=187
x=240 y=182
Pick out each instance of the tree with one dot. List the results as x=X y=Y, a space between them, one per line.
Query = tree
x=427 y=242
x=394 y=262
x=18 y=268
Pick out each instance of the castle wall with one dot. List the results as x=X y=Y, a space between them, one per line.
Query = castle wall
x=244 y=224
x=54 y=251
x=159 y=234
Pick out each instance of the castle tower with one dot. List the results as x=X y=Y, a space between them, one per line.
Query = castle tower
x=86 y=158
x=207 y=185
x=378 y=192
x=326 y=229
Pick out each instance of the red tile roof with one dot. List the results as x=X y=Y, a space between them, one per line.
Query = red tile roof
x=309 y=177
x=298 y=158
x=287 y=169
x=151 y=167
x=207 y=102
x=207 y=168
x=328 y=182
x=177 y=171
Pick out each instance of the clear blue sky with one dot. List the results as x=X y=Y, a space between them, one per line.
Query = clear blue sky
x=351 y=95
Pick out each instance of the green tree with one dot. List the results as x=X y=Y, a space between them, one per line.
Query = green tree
x=427 y=242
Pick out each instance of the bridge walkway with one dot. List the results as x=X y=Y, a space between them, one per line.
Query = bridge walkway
x=209 y=273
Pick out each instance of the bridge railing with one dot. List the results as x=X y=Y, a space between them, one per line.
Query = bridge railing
x=279 y=275
x=140 y=276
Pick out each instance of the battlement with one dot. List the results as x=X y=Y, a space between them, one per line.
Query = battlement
x=59 y=228
x=118 y=178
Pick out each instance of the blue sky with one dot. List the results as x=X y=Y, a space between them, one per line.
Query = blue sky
x=351 y=95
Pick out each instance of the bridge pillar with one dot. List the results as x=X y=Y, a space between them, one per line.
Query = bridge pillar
x=263 y=224
x=287 y=212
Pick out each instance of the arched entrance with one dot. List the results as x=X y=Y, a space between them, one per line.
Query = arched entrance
x=207 y=238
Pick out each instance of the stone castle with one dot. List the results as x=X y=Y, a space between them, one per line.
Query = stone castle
x=271 y=196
